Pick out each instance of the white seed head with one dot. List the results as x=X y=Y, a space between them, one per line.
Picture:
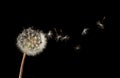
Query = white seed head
x=31 y=42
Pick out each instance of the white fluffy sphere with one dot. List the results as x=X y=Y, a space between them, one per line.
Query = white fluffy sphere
x=31 y=42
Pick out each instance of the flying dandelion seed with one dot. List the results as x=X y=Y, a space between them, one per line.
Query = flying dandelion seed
x=77 y=47
x=61 y=32
x=66 y=37
x=85 y=31
x=56 y=31
x=58 y=37
x=100 y=25
x=103 y=18
x=30 y=42
x=50 y=34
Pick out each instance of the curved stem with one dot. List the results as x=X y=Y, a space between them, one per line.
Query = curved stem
x=22 y=65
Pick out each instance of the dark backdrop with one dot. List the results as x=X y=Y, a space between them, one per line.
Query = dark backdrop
x=60 y=58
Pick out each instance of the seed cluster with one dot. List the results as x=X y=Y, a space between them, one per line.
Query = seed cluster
x=31 y=41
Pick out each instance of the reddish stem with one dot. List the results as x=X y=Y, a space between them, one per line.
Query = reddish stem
x=22 y=66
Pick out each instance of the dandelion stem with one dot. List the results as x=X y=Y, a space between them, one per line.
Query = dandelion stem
x=22 y=65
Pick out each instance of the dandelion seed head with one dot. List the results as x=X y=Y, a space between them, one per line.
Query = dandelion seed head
x=31 y=42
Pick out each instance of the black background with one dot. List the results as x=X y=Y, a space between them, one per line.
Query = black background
x=96 y=55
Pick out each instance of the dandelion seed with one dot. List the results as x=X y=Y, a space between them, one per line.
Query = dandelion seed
x=61 y=32
x=66 y=37
x=103 y=18
x=31 y=43
x=58 y=37
x=77 y=47
x=56 y=31
x=49 y=35
x=85 y=31
x=100 y=25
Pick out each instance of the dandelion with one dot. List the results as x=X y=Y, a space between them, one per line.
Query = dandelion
x=30 y=42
